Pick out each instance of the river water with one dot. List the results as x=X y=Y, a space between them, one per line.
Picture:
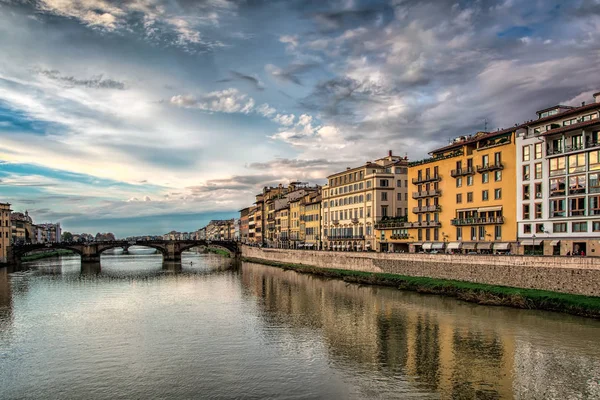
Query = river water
x=137 y=329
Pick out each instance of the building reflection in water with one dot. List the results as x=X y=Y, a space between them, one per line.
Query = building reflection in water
x=5 y=300
x=455 y=349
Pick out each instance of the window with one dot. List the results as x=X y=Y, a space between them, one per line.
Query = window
x=579 y=227
x=485 y=177
x=594 y=205
x=399 y=196
x=539 y=228
x=485 y=160
x=384 y=183
x=557 y=166
x=368 y=196
x=559 y=227
x=470 y=197
x=527 y=228
x=525 y=172
x=384 y=211
x=557 y=208
x=470 y=180
x=459 y=198
x=427 y=234
x=557 y=187
x=525 y=211
x=595 y=226
x=538 y=190
x=577 y=184
x=420 y=234
x=594 y=184
x=482 y=233
x=458 y=233
x=473 y=233
x=398 y=183
x=526 y=155
x=538 y=210
x=498 y=232
x=576 y=206
x=526 y=193
x=538 y=171
x=594 y=160
x=538 y=151
x=497 y=194
x=497 y=176
x=436 y=234
x=383 y=196
x=485 y=195
x=368 y=184
x=458 y=182
x=577 y=163
x=368 y=212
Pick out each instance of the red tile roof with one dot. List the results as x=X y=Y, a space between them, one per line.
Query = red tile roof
x=575 y=110
x=475 y=139
x=571 y=127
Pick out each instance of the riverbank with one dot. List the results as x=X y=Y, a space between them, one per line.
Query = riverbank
x=47 y=254
x=220 y=252
x=478 y=293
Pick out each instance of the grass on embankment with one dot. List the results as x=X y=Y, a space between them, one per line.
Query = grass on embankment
x=47 y=254
x=220 y=252
x=472 y=292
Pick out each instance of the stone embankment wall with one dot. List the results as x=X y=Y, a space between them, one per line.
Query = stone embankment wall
x=576 y=275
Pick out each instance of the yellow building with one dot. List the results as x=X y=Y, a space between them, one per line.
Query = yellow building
x=294 y=224
x=311 y=220
x=463 y=198
x=5 y=231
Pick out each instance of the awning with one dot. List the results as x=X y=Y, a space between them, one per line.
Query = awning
x=454 y=245
x=438 y=246
x=300 y=245
x=466 y=209
x=484 y=246
x=486 y=209
x=417 y=244
x=531 y=242
x=554 y=242
x=501 y=246
x=368 y=244
x=470 y=246
x=427 y=246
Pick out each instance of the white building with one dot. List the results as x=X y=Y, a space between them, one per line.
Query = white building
x=558 y=181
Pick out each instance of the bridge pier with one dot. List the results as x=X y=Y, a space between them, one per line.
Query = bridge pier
x=90 y=268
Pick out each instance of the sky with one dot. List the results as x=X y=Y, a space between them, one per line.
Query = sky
x=145 y=116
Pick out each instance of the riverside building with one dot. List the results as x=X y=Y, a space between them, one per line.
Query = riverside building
x=462 y=198
x=354 y=200
x=5 y=231
x=558 y=181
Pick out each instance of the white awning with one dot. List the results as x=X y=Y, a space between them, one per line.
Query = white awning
x=470 y=246
x=427 y=246
x=486 y=209
x=501 y=246
x=466 y=209
x=368 y=244
x=554 y=242
x=300 y=245
x=531 y=242
x=438 y=246
x=454 y=245
x=484 y=246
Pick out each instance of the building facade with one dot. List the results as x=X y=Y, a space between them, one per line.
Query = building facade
x=5 y=231
x=244 y=224
x=558 y=181
x=462 y=198
x=353 y=201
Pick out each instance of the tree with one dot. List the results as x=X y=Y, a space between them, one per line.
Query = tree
x=67 y=237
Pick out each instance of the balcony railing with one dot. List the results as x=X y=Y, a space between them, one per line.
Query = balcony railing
x=425 y=209
x=400 y=237
x=335 y=221
x=426 y=178
x=490 y=167
x=477 y=221
x=455 y=173
x=398 y=222
x=426 y=193
x=355 y=220
x=346 y=237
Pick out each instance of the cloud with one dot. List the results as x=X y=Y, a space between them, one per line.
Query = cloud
x=95 y=82
x=291 y=72
x=227 y=101
x=252 y=80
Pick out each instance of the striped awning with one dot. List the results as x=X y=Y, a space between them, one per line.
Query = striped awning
x=531 y=242
x=454 y=245
x=437 y=246
x=470 y=246
x=427 y=246
x=484 y=246
x=486 y=209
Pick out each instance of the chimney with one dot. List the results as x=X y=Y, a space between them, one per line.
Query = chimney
x=389 y=153
x=597 y=97
x=582 y=103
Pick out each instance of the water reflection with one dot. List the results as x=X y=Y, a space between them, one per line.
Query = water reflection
x=458 y=350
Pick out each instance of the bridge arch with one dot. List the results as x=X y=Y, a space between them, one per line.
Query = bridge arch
x=20 y=251
x=103 y=247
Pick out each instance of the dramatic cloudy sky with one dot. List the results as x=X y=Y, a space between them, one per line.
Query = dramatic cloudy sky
x=143 y=116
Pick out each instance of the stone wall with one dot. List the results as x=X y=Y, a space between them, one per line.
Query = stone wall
x=576 y=275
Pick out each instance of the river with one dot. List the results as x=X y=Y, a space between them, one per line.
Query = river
x=138 y=329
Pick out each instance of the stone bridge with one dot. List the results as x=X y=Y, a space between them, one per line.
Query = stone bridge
x=90 y=252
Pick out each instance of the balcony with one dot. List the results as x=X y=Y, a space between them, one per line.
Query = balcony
x=424 y=209
x=426 y=193
x=270 y=219
x=490 y=167
x=400 y=237
x=426 y=178
x=335 y=221
x=455 y=173
x=399 y=222
x=346 y=237
x=570 y=148
x=477 y=221
x=354 y=220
